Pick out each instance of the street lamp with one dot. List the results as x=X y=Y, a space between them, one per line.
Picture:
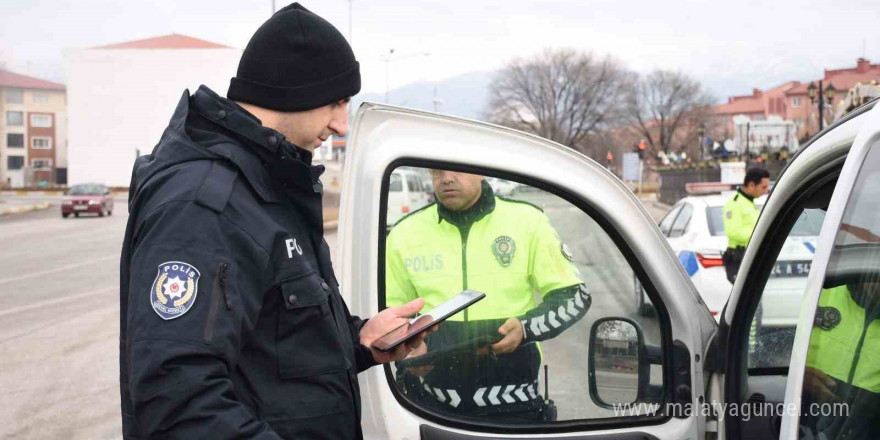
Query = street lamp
x=389 y=58
x=822 y=96
x=701 y=131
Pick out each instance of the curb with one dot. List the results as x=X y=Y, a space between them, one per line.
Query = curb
x=9 y=210
x=32 y=193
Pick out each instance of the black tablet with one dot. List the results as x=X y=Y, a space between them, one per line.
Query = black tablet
x=405 y=332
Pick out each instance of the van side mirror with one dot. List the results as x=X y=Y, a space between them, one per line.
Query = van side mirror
x=619 y=372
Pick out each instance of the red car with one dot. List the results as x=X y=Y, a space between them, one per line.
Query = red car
x=87 y=198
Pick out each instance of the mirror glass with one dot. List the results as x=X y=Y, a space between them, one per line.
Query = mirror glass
x=616 y=362
x=549 y=271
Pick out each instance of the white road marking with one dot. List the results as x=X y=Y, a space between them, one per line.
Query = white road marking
x=90 y=293
x=58 y=269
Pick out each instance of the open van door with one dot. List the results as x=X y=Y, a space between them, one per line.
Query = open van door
x=765 y=362
x=610 y=374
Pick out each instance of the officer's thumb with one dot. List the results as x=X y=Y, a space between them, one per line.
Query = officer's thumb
x=410 y=308
x=506 y=327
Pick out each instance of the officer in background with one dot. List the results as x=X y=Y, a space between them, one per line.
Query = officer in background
x=740 y=217
x=232 y=325
x=471 y=239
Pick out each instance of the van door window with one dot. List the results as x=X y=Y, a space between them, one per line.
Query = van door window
x=841 y=388
x=519 y=356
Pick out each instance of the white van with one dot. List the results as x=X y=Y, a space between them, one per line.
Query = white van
x=680 y=373
x=407 y=192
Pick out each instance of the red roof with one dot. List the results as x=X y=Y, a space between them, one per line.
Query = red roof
x=741 y=105
x=173 y=41
x=842 y=82
x=9 y=79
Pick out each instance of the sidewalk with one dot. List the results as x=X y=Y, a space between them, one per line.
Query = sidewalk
x=9 y=209
x=656 y=208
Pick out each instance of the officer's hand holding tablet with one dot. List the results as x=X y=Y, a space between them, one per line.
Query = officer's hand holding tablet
x=415 y=330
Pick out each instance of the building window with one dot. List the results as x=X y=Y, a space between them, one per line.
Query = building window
x=41 y=98
x=41 y=121
x=795 y=102
x=41 y=143
x=14 y=96
x=14 y=140
x=41 y=164
x=15 y=118
x=14 y=162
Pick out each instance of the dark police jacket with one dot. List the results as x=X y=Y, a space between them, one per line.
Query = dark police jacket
x=231 y=321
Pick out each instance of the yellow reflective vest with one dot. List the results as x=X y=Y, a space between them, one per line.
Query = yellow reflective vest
x=740 y=217
x=842 y=344
x=510 y=254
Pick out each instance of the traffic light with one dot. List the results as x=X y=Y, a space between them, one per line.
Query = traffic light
x=641 y=148
x=609 y=157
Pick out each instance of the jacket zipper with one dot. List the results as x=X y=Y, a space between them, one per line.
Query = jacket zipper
x=218 y=288
x=855 y=361
x=464 y=236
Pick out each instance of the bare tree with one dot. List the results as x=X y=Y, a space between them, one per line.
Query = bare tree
x=665 y=108
x=561 y=95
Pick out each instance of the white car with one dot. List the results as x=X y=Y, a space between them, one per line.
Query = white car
x=501 y=187
x=407 y=192
x=694 y=227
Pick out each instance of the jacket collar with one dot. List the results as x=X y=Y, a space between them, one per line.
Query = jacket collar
x=269 y=156
x=748 y=197
x=484 y=205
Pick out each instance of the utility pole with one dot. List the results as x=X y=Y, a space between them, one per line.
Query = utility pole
x=436 y=100
x=350 y=39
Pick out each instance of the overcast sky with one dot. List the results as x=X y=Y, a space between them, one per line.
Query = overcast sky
x=731 y=46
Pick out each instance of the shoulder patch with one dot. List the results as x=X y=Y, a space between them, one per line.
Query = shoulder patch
x=729 y=214
x=523 y=202
x=414 y=213
x=175 y=289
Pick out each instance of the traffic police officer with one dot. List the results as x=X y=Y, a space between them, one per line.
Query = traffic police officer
x=740 y=217
x=843 y=362
x=507 y=249
x=232 y=325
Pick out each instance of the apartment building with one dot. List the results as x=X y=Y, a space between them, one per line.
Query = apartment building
x=33 y=131
x=122 y=96
x=791 y=101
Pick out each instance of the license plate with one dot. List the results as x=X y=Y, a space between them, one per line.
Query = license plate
x=784 y=269
x=80 y=208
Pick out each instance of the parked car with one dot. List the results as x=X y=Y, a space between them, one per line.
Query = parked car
x=87 y=198
x=688 y=362
x=407 y=192
x=501 y=187
x=694 y=228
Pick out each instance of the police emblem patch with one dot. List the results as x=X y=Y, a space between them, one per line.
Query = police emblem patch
x=504 y=247
x=566 y=252
x=174 y=290
x=827 y=318
x=729 y=214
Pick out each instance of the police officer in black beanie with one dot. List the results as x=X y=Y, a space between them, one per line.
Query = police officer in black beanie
x=231 y=321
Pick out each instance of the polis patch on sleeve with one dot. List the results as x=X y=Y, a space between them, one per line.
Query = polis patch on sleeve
x=174 y=291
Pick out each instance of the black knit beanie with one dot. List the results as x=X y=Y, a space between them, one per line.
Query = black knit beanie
x=296 y=61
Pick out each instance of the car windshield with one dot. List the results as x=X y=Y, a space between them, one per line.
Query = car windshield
x=83 y=190
x=807 y=225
